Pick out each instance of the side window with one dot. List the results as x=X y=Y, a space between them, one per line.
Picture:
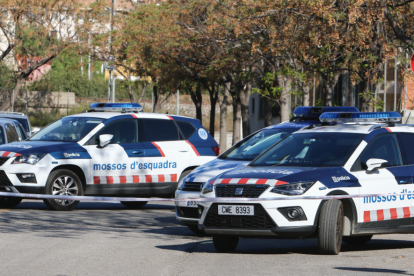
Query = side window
x=9 y=134
x=382 y=147
x=15 y=134
x=124 y=131
x=2 y=140
x=186 y=128
x=407 y=149
x=160 y=130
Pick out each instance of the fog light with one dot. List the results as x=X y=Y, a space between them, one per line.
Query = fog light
x=200 y=210
x=27 y=177
x=8 y=189
x=293 y=213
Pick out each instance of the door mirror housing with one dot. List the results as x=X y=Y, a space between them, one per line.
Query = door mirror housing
x=104 y=140
x=374 y=164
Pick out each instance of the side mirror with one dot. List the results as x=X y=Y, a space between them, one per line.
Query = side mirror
x=104 y=140
x=374 y=164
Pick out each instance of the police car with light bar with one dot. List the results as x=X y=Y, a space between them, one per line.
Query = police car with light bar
x=367 y=154
x=242 y=154
x=117 y=153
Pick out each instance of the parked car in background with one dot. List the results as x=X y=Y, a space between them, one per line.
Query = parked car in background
x=21 y=118
x=11 y=131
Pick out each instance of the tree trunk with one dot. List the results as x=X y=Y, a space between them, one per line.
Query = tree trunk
x=285 y=83
x=7 y=104
x=197 y=100
x=143 y=91
x=306 y=88
x=159 y=105
x=236 y=119
x=155 y=95
x=268 y=112
x=329 y=84
x=245 y=91
x=223 y=101
x=213 y=101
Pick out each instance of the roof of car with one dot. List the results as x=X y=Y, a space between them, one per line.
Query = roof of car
x=12 y=115
x=294 y=124
x=108 y=115
x=359 y=128
x=7 y=120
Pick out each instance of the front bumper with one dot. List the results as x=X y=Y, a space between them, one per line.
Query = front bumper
x=277 y=232
x=186 y=211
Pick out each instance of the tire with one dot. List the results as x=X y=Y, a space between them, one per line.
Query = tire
x=195 y=230
x=357 y=240
x=63 y=182
x=7 y=202
x=134 y=204
x=225 y=244
x=331 y=224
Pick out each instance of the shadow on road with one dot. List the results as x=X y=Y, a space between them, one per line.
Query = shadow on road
x=374 y=270
x=288 y=246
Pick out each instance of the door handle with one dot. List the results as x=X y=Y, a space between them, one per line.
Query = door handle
x=183 y=150
x=137 y=151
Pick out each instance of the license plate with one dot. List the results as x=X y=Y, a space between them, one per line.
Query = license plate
x=192 y=204
x=236 y=210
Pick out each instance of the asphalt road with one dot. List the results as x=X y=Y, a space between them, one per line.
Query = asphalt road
x=108 y=239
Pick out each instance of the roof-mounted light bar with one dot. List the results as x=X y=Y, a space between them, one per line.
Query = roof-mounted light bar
x=316 y=111
x=360 y=117
x=118 y=107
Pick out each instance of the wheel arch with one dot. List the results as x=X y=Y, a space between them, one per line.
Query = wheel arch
x=350 y=212
x=77 y=170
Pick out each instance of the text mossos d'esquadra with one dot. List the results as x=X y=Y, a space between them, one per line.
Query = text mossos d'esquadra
x=136 y=166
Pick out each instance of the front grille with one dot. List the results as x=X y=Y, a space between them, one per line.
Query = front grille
x=192 y=186
x=187 y=212
x=4 y=180
x=3 y=160
x=251 y=191
x=260 y=221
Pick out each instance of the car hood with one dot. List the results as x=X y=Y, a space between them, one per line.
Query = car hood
x=59 y=150
x=213 y=168
x=331 y=177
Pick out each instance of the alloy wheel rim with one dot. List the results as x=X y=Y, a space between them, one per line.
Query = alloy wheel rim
x=65 y=186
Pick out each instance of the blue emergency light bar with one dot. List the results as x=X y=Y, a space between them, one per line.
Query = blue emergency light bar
x=316 y=111
x=360 y=117
x=119 y=107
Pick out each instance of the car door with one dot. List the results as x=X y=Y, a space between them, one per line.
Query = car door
x=383 y=210
x=113 y=166
x=167 y=154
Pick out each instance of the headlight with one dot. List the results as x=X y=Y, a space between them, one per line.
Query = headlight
x=208 y=186
x=28 y=159
x=297 y=188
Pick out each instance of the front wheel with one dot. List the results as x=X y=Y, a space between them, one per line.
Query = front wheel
x=7 y=202
x=225 y=244
x=331 y=224
x=65 y=183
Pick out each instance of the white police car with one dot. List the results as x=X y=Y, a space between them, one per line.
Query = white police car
x=242 y=154
x=121 y=153
x=369 y=154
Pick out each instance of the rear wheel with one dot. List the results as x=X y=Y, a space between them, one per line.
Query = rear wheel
x=225 y=244
x=9 y=202
x=331 y=222
x=134 y=204
x=357 y=240
x=66 y=183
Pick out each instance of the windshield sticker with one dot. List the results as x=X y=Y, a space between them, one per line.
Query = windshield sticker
x=202 y=133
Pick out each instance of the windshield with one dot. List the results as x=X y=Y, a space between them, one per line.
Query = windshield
x=22 y=121
x=258 y=143
x=68 y=129
x=328 y=149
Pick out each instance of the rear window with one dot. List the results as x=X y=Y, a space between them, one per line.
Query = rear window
x=160 y=130
x=186 y=128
